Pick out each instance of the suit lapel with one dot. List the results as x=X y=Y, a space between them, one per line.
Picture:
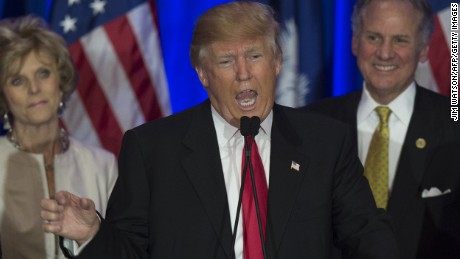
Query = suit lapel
x=284 y=180
x=204 y=169
x=410 y=170
x=347 y=112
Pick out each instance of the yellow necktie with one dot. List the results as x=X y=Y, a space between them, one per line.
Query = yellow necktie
x=376 y=166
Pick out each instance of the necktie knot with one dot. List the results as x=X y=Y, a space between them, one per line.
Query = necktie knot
x=384 y=113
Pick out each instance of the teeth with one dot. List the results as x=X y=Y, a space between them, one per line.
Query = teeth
x=246 y=103
x=385 y=68
x=246 y=98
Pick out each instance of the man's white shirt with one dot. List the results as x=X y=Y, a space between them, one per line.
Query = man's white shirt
x=231 y=144
x=367 y=120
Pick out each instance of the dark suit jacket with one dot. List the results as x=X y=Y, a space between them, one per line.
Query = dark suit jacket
x=170 y=199
x=425 y=227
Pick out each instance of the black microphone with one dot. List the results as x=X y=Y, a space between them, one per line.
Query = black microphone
x=245 y=126
x=248 y=127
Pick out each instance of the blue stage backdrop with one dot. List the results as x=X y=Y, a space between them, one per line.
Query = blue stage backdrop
x=316 y=42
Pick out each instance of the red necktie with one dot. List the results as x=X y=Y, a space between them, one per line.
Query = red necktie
x=251 y=236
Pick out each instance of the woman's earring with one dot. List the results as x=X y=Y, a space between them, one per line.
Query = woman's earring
x=61 y=108
x=6 y=122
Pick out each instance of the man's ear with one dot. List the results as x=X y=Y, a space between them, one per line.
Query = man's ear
x=202 y=76
x=278 y=64
x=424 y=54
x=354 y=45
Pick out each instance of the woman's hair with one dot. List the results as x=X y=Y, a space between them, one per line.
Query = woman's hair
x=231 y=22
x=23 y=35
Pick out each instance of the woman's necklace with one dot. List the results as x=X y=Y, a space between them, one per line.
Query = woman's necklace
x=63 y=138
x=48 y=160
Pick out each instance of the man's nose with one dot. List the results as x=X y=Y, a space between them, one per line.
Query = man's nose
x=243 y=69
x=385 y=50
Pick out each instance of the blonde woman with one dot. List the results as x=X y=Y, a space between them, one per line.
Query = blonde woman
x=37 y=156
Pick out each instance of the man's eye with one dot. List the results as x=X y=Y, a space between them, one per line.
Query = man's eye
x=256 y=56
x=401 y=40
x=372 y=38
x=224 y=62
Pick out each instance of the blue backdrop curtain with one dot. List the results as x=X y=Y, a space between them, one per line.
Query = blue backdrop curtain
x=326 y=30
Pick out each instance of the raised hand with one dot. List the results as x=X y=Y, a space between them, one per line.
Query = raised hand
x=70 y=216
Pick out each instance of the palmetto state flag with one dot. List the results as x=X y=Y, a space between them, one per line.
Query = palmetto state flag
x=435 y=74
x=301 y=79
x=122 y=83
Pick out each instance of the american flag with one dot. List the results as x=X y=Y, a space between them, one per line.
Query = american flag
x=117 y=51
x=435 y=74
x=116 y=47
x=295 y=166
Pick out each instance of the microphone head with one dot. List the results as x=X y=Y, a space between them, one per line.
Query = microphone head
x=255 y=125
x=249 y=126
x=245 y=126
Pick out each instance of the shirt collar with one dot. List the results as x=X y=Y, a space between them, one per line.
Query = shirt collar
x=401 y=107
x=225 y=131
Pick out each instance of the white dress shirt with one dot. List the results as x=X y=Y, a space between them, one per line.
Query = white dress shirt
x=367 y=121
x=231 y=144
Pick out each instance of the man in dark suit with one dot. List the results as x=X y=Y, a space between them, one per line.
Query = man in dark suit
x=389 y=39
x=178 y=187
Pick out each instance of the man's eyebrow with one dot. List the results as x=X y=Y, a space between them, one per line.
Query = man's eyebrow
x=405 y=36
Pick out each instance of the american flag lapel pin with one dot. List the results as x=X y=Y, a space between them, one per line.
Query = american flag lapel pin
x=295 y=166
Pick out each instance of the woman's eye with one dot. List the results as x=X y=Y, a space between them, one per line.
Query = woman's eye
x=16 y=81
x=45 y=73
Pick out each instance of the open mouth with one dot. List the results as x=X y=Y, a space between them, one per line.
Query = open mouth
x=246 y=98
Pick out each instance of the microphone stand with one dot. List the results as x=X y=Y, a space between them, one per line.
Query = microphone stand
x=243 y=180
x=248 y=127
